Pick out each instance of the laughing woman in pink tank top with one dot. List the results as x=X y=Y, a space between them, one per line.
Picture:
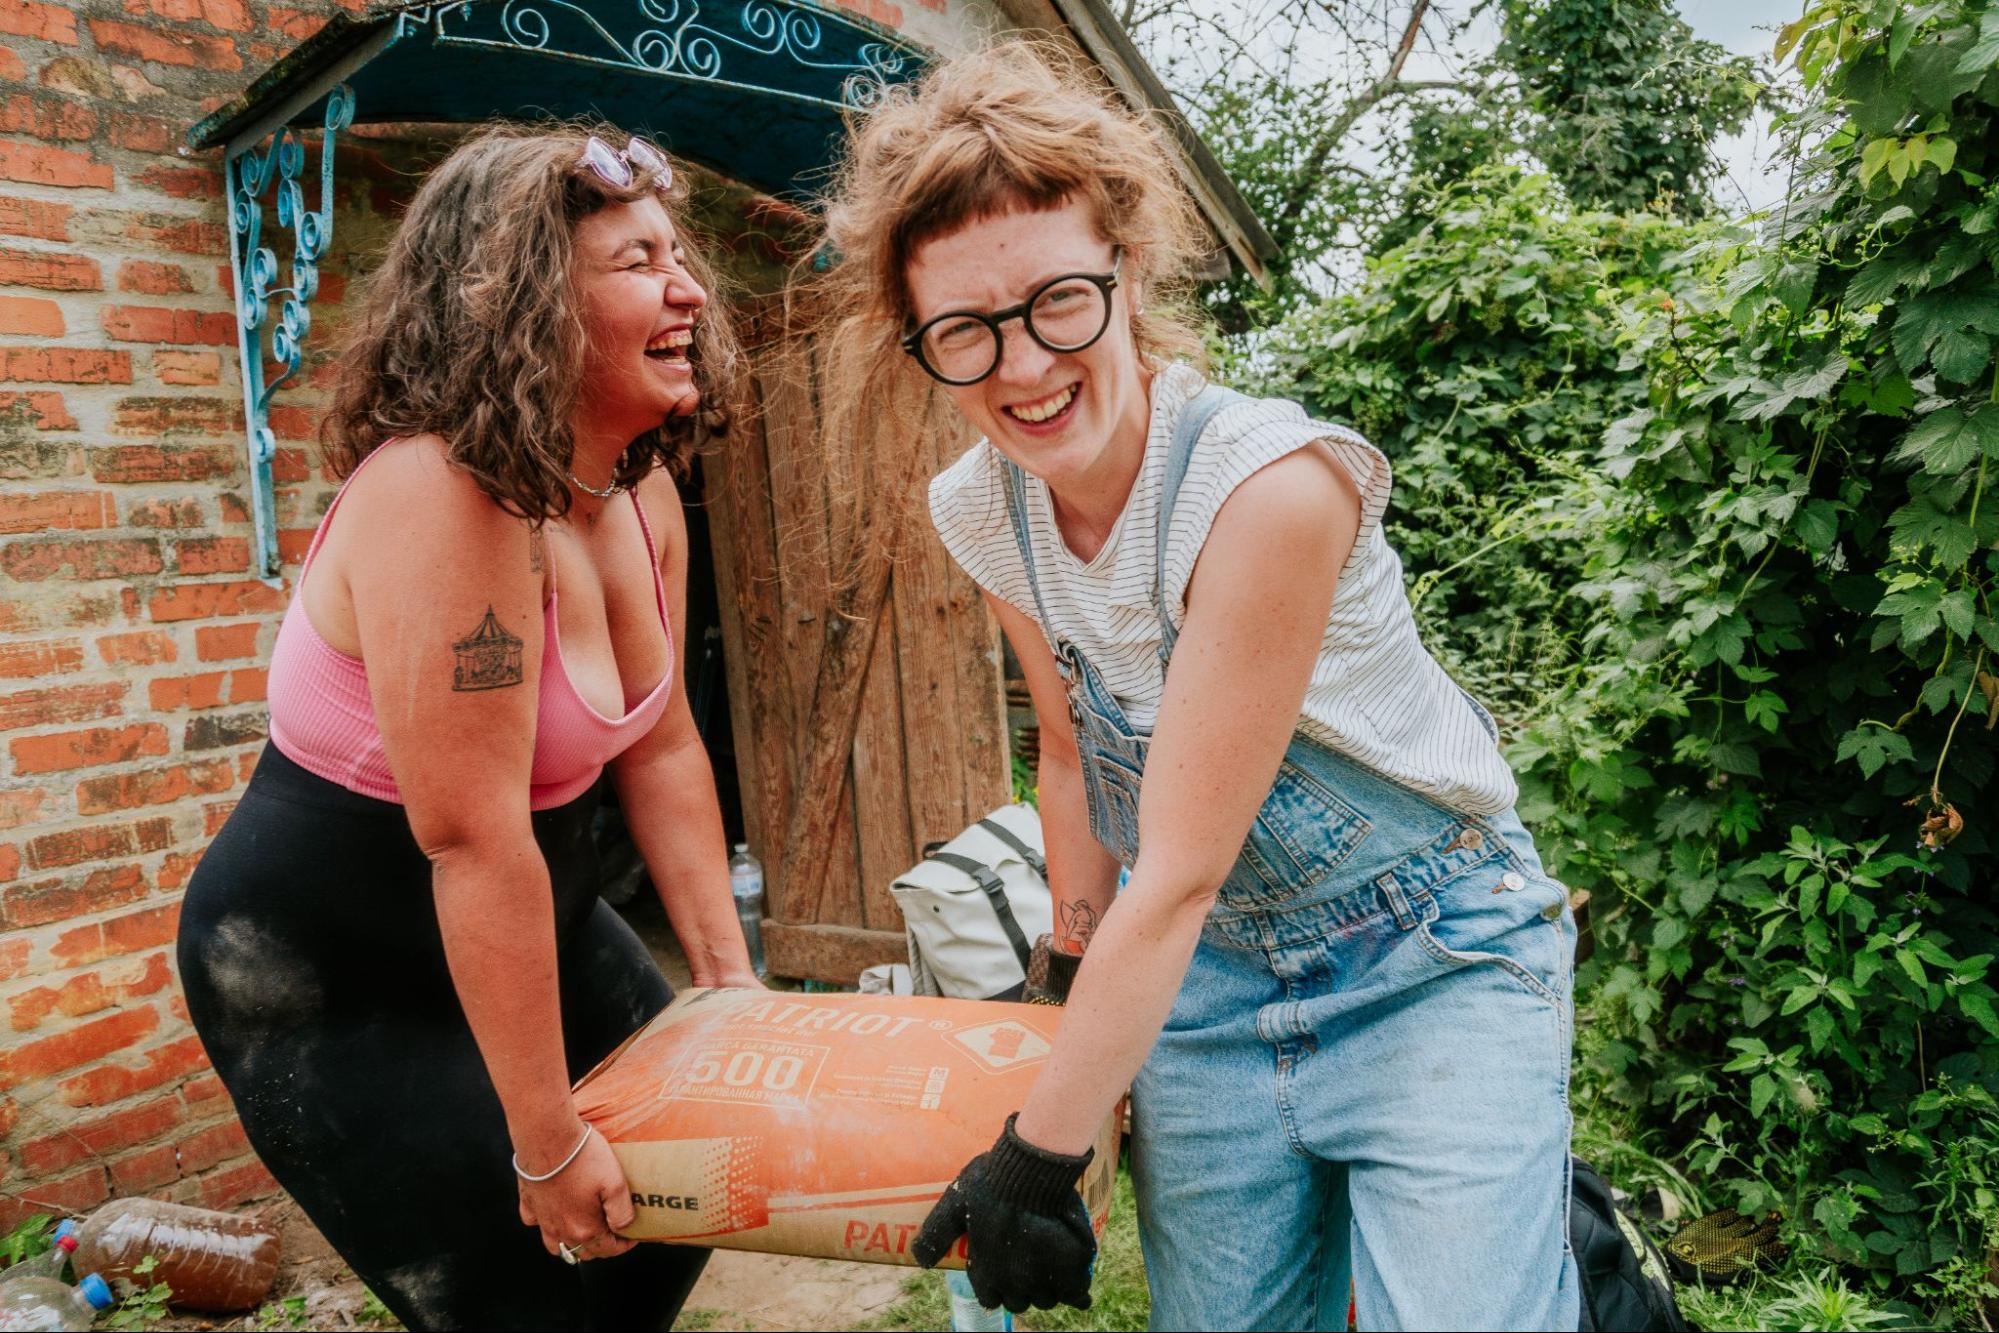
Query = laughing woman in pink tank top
x=394 y=951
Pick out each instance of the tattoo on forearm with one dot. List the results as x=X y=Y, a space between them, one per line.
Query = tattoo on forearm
x=489 y=658
x=536 y=559
x=1079 y=922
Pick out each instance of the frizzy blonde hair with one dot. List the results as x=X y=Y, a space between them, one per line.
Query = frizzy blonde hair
x=472 y=329
x=1018 y=125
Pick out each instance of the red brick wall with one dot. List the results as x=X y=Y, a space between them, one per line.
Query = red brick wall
x=132 y=637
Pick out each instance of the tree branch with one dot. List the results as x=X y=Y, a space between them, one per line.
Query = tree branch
x=1335 y=13
x=1313 y=171
x=1227 y=35
x=1408 y=42
x=1135 y=18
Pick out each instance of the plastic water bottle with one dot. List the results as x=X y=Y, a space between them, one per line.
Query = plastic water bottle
x=746 y=882
x=967 y=1315
x=50 y=1262
x=44 y=1305
x=213 y=1261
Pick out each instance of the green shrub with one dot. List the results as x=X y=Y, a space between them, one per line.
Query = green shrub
x=1482 y=356
x=1706 y=510
x=1777 y=728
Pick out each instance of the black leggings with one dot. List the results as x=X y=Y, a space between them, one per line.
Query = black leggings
x=314 y=972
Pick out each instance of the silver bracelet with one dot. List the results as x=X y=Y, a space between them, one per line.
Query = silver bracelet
x=551 y=1175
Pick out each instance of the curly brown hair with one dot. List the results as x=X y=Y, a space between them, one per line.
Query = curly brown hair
x=471 y=330
x=1019 y=125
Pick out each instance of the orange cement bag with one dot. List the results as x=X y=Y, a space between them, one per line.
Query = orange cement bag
x=821 y=1125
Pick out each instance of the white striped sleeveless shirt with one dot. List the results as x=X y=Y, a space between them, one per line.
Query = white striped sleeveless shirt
x=1376 y=696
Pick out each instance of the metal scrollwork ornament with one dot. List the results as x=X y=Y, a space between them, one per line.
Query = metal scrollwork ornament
x=277 y=169
x=672 y=39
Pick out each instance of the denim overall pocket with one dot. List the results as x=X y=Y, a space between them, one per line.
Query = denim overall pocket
x=1501 y=917
x=1112 y=753
x=1113 y=765
x=1301 y=835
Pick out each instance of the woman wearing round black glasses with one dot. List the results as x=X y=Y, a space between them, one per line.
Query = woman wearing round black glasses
x=1337 y=981
x=394 y=950
x=1065 y=314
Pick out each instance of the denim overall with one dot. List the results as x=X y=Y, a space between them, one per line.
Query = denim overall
x=1364 y=1076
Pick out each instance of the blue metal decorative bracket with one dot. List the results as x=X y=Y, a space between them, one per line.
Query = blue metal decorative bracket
x=251 y=173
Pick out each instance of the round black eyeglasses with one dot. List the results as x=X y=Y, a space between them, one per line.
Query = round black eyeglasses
x=1064 y=314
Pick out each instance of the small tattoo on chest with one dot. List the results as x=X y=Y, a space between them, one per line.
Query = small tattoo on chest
x=489 y=658
x=537 y=555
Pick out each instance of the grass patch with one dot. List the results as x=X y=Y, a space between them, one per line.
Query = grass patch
x=1818 y=1301
x=1119 y=1299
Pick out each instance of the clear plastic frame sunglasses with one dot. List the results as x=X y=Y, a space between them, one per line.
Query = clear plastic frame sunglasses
x=620 y=168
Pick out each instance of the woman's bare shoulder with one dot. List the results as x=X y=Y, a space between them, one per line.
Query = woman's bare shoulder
x=411 y=491
x=659 y=496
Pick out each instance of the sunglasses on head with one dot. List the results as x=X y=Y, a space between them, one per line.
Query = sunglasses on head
x=619 y=169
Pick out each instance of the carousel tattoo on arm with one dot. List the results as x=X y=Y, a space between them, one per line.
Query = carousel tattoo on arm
x=489 y=658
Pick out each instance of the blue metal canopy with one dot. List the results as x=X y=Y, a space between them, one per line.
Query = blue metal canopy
x=753 y=89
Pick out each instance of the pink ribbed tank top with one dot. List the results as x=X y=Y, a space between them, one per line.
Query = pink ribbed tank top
x=323 y=720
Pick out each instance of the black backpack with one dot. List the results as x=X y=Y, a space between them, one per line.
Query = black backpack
x=1625 y=1287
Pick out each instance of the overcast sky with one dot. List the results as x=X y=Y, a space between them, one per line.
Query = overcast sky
x=1746 y=27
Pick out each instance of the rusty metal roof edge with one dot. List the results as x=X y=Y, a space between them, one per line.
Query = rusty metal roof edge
x=297 y=68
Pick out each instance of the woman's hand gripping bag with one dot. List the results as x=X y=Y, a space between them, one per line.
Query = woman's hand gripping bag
x=819 y=1125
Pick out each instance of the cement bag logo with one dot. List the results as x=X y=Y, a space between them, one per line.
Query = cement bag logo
x=1003 y=1045
x=747 y=1071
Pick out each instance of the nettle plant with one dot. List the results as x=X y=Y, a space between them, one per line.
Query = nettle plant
x=1774 y=758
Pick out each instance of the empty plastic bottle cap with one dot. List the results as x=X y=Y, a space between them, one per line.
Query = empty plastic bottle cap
x=97 y=1291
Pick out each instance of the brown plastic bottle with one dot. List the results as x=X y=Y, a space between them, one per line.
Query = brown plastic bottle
x=213 y=1261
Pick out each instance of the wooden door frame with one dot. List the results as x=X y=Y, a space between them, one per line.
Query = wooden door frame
x=792 y=741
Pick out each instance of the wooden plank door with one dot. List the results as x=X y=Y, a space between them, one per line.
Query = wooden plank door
x=865 y=681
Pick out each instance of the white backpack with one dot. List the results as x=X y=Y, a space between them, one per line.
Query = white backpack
x=974 y=906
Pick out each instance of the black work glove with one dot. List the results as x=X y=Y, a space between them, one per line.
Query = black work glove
x=1050 y=973
x=1030 y=1239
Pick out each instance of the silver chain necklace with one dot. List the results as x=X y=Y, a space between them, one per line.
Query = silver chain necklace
x=586 y=487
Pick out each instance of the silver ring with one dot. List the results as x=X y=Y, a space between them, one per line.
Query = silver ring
x=567 y=1251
